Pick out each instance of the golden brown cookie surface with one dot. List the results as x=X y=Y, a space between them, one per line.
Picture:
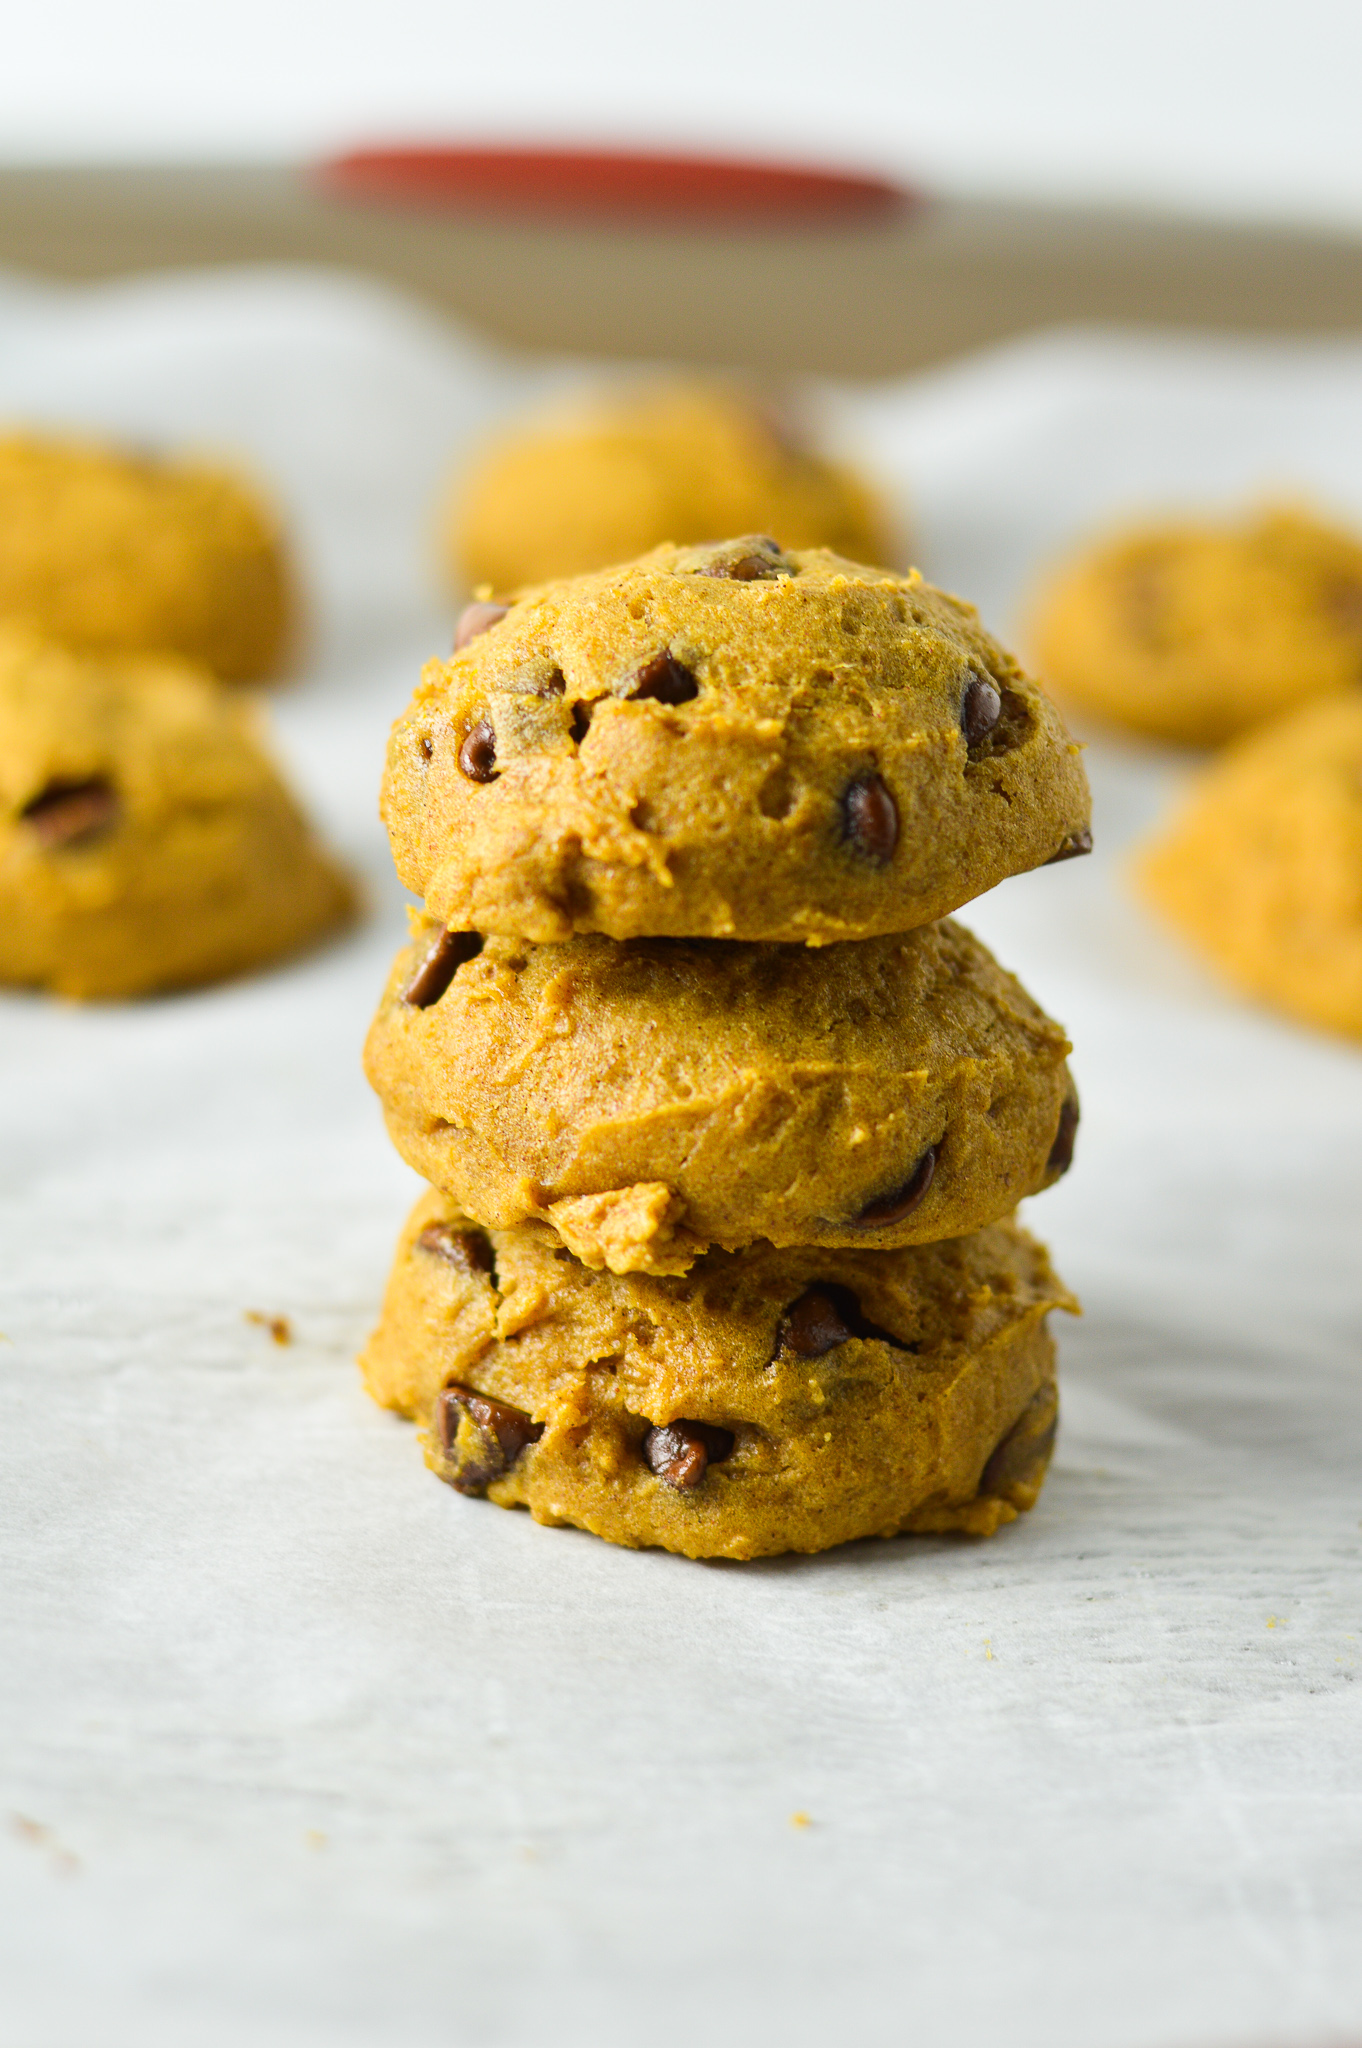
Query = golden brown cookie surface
x=726 y=742
x=111 y=552
x=1261 y=869
x=1196 y=633
x=146 y=840
x=655 y=1097
x=769 y=1401
x=677 y=462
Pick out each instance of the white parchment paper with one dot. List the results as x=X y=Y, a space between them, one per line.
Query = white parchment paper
x=300 y=1749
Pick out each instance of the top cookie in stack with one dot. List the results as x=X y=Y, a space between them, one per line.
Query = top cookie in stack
x=728 y=742
x=720 y=1254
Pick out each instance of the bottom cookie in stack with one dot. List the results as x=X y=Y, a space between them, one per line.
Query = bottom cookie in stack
x=769 y=1400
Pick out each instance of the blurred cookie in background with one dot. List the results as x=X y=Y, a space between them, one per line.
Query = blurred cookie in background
x=1262 y=868
x=146 y=839
x=620 y=474
x=110 y=551
x=1197 y=632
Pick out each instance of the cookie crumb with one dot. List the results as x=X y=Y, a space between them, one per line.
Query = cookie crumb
x=37 y=1832
x=800 y=1820
x=279 y=1327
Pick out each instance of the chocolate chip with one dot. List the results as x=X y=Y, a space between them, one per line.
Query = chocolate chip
x=438 y=969
x=893 y=1208
x=1072 y=848
x=1062 y=1151
x=814 y=1324
x=478 y=754
x=824 y=1317
x=870 y=818
x=666 y=679
x=469 y=1250
x=980 y=709
x=681 y=1452
x=479 y=1437
x=476 y=619
x=579 y=724
x=535 y=679
x=751 y=567
x=65 y=812
x=1021 y=1457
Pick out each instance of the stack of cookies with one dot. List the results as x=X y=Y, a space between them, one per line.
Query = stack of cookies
x=725 y=1119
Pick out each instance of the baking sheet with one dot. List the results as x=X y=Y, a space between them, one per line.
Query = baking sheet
x=298 y=1747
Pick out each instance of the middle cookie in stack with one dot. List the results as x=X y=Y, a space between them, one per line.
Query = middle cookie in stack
x=684 y=1282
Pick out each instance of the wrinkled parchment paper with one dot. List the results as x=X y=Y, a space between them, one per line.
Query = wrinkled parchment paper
x=301 y=1750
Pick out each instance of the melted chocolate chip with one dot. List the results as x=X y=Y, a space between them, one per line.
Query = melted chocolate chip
x=681 y=1452
x=469 y=1250
x=980 y=709
x=870 y=818
x=478 y=754
x=826 y=1316
x=1062 y=1151
x=1021 y=1457
x=65 y=812
x=480 y=1438
x=666 y=680
x=438 y=969
x=476 y=619
x=1072 y=848
x=893 y=1208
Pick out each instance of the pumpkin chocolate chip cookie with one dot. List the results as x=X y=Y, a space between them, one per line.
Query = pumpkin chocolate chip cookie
x=146 y=841
x=730 y=741
x=113 y=552
x=1261 y=869
x=653 y=1098
x=769 y=1401
x=630 y=470
x=1198 y=632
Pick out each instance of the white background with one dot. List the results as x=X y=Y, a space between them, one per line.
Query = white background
x=1249 y=107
